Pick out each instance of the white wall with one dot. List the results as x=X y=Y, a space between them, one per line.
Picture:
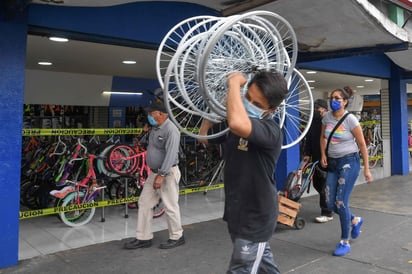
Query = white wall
x=62 y=88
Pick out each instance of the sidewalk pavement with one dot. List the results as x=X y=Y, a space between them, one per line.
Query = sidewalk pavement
x=384 y=246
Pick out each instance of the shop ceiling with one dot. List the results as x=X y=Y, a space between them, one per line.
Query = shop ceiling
x=324 y=29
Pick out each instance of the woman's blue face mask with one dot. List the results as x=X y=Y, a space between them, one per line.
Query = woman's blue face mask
x=252 y=110
x=335 y=105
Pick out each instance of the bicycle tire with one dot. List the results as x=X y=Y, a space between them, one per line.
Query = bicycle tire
x=132 y=190
x=135 y=190
x=292 y=187
x=118 y=163
x=295 y=193
x=289 y=181
x=58 y=203
x=372 y=155
x=159 y=209
x=78 y=217
x=373 y=163
x=28 y=194
x=111 y=188
x=35 y=194
x=23 y=188
x=102 y=163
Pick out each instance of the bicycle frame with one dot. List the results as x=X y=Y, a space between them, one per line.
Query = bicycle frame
x=299 y=180
x=91 y=190
x=123 y=156
x=62 y=177
x=375 y=148
x=82 y=192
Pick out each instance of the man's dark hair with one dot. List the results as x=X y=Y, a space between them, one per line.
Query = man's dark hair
x=272 y=85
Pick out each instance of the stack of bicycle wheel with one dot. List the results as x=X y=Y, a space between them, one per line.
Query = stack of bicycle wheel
x=196 y=55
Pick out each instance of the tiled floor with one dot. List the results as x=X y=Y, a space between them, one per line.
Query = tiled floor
x=45 y=235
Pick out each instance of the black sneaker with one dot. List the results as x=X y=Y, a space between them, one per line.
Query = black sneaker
x=172 y=243
x=134 y=244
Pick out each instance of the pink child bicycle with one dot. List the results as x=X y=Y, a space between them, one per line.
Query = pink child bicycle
x=131 y=162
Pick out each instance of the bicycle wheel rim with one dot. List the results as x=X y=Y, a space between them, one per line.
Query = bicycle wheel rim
x=170 y=43
x=121 y=159
x=280 y=58
x=103 y=165
x=78 y=217
x=159 y=209
x=180 y=112
x=298 y=110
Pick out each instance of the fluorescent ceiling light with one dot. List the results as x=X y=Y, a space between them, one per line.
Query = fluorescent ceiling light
x=360 y=86
x=129 y=62
x=311 y=72
x=368 y=80
x=58 y=39
x=45 y=63
x=122 y=92
x=311 y=81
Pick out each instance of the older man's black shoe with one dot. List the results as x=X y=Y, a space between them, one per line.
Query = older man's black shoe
x=134 y=244
x=172 y=243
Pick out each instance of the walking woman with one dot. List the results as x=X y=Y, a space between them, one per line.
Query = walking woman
x=340 y=147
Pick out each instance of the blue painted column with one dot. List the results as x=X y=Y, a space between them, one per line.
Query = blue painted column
x=399 y=122
x=289 y=158
x=13 y=33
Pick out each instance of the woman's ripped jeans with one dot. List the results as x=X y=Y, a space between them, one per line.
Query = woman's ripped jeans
x=339 y=186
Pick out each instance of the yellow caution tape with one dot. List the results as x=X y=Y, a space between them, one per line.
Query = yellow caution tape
x=200 y=189
x=373 y=158
x=369 y=123
x=79 y=131
x=74 y=207
x=55 y=210
x=84 y=131
x=377 y=157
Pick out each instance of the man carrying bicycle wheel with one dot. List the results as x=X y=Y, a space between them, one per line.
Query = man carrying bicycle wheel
x=250 y=151
x=163 y=181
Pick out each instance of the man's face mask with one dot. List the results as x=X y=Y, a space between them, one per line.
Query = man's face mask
x=317 y=114
x=252 y=110
x=152 y=121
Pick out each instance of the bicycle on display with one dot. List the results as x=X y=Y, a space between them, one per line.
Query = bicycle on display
x=79 y=196
x=200 y=165
x=49 y=185
x=130 y=162
x=126 y=160
x=51 y=168
x=42 y=170
x=375 y=148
